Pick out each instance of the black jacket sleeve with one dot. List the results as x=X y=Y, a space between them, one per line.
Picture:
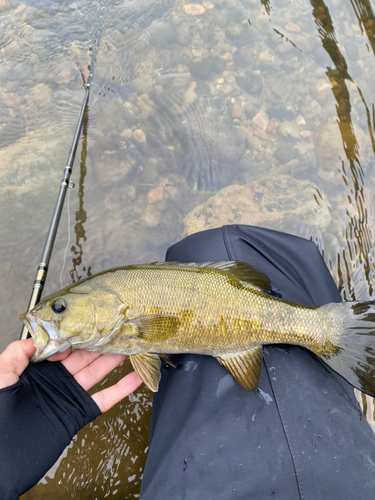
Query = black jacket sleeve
x=39 y=415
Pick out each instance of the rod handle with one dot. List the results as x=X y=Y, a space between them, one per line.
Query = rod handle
x=38 y=286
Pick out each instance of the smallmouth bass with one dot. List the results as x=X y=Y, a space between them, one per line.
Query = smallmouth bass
x=223 y=310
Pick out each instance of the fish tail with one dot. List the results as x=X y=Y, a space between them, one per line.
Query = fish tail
x=351 y=349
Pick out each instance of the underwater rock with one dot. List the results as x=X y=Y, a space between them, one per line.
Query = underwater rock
x=150 y=172
x=10 y=99
x=243 y=57
x=31 y=161
x=280 y=113
x=251 y=82
x=147 y=107
x=289 y=129
x=236 y=109
x=151 y=216
x=260 y=120
x=220 y=144
x=114 y=172
x=112 y=120
x=142 y=81
x=12 y=125
x=161 y=33
x=267 y=55
x=155 y=195
x=174 y=186
x=321 y=91
x=240 y=34
x=284 y=153
x=272 y=126
x=42 y=95
x=194 y=9
x=170 y=225
x=329 y=140
x=139 y=135
x=200 y=68
x=127 y=133
x=261 y=134
x=190 y=95
x=281 y=203
x=183 y=34
x=218 y=64
x=305 y=134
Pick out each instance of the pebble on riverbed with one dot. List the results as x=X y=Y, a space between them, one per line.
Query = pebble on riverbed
x=194 y=9
x=139 y=136
x=155 y=195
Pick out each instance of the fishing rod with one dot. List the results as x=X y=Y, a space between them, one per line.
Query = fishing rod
x=42 y=270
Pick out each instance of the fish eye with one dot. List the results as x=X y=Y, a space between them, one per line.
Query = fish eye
x=59 y=306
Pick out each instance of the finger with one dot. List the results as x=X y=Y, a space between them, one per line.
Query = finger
x=60 y=356
x=14 y=360
x=79 y=359
x=98 y=369
x=109 y=397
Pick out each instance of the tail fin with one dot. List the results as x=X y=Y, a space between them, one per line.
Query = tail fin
x=353 y=351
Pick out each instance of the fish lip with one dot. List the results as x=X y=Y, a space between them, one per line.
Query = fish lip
x=45 y=350
x=27 y=320
x=53 y=347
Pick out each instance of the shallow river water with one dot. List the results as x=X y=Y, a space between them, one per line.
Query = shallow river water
x=257 y=112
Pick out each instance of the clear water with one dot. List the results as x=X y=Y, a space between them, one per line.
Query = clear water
x=270 y=101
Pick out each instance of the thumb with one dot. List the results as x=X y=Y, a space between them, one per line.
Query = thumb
x=14 y=360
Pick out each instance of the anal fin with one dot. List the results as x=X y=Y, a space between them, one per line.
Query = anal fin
x=245 y=367
x=147 y=367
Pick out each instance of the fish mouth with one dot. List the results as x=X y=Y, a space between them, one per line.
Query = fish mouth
x=44 y=336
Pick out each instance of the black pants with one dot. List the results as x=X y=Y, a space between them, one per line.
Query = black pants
x=301 y=435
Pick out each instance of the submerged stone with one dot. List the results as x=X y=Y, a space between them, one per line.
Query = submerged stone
x=280 y=203
x=194 y=9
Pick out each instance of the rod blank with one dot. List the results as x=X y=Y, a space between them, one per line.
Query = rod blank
x=42 y=270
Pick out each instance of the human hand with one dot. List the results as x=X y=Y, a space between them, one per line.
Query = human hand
x=88 y=368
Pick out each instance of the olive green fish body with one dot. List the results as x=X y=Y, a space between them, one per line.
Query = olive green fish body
x=223 y=310
x=214 y=314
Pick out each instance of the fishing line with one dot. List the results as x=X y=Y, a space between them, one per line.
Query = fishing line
x=68 y=243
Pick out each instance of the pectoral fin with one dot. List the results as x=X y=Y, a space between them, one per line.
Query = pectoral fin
x=147 y=367
x=245 y=367
x=154 y=327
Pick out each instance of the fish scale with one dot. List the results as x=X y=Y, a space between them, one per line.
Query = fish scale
x=231 y=324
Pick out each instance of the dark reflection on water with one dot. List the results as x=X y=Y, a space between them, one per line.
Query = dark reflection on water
x=357 y=226
x=267 y=6
x=366 y=19
x=81 y=215
x=201 y=114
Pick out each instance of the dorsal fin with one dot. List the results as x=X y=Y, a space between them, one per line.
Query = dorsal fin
x=248 y=276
